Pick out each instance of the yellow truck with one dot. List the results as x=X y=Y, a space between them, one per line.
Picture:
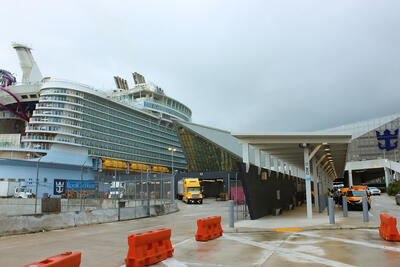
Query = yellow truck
x=189 y=190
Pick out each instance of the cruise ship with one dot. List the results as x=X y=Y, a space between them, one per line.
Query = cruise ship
x=74 y=130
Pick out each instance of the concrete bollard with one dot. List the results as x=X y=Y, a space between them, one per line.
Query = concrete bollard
x=365 y=209
x=331 y=209
x=344 y=204
x=231 y=214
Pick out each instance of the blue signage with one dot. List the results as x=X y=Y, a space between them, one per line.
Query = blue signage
x=387 y=136
x=77 y=185
x=62 y=185
x=59 y=186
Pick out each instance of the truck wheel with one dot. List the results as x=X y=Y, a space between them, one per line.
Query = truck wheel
x=201 y=201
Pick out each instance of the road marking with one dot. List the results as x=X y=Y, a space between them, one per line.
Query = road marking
x=287 y=229
x=264 y=258
x=268 y=254
x=147 y=228
x=369 y=230
x=352 y=242
x=194 y=214
x=182 y=242
x=208 y=264
x=288 y=252
x=172 y=262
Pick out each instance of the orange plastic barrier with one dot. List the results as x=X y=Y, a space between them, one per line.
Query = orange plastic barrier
x=388 y=229
x=208 y=228
x=149 y=247
x=66 y=259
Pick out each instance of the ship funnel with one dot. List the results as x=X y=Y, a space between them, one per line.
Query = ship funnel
x=30 y=70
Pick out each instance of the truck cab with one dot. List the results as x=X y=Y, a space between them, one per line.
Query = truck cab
x=117 y=190
x=189 y=191
x=23 y=192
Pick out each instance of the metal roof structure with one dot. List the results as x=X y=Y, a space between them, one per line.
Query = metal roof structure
x=329 y=149
x=219 y=137
x=359 y=128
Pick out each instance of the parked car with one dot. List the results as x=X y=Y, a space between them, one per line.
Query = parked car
x=373 y=191
x=354 y=199
x=398 y=198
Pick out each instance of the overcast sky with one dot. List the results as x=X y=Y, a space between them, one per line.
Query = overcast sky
x=241 y=66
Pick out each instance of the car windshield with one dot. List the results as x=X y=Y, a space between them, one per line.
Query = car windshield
x=356 y=193
x=193 y=189
x=373 y=188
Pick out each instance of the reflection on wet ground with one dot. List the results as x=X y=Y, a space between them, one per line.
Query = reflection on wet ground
x=314 y=248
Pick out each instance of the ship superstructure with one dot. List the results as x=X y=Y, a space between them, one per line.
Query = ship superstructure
x=69 y=123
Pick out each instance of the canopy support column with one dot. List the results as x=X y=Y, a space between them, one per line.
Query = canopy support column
x=315 y=181
x=258 y=159
x=245 y=154
x=350 y=172
x=308 y=181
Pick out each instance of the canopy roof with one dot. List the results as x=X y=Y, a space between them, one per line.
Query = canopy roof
x=330 y=150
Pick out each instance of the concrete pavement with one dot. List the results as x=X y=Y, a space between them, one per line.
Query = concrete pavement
x=106 y=244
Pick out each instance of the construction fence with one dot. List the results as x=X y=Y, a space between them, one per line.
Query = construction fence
x=106 y=191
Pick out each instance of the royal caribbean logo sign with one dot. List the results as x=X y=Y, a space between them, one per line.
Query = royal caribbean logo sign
x=387 y=137
x=59 y=186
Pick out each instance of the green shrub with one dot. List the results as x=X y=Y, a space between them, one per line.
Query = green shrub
x=393 y=188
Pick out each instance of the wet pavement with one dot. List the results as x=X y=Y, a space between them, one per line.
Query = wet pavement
x=106 y=244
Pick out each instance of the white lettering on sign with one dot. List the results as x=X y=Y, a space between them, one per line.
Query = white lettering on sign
x=307 y=168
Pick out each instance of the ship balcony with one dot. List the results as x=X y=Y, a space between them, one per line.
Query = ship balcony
x=40 y=106
x=45 y=121
x=50 y=92
x=41 y=113
x=51 y=130
x=48 y=139
x=53 y=100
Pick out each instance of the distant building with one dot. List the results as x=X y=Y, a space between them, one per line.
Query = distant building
x=374 y=151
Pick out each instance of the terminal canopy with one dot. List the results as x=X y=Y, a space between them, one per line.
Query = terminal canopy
x=329 y=150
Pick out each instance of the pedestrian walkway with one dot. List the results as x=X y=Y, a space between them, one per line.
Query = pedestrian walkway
x=295 y=219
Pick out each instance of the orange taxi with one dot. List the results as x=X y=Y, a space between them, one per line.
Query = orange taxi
x=354 y=198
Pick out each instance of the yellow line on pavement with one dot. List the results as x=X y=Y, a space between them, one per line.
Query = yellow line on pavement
x=287 y=229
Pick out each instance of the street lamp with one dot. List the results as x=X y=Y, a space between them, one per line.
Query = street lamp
x=172 y=149
x=80 y=191
x=37 y=182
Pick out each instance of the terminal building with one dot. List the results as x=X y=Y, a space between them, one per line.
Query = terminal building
x=373 y=152
x=55 y=129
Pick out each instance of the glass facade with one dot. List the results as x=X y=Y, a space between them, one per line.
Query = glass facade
x=205 y=156
x=366 y=146
x=107 y=128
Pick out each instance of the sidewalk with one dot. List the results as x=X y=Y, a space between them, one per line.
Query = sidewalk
x=297 y=218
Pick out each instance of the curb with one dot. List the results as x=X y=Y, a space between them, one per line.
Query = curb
x=308 y=228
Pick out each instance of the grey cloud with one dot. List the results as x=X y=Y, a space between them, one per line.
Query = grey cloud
x=244 y=66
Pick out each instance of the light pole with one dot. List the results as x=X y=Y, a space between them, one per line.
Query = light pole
x=37 y=182
x=172 y=149
x=80 y=191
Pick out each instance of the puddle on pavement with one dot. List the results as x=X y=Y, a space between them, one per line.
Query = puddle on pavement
x=221 y=252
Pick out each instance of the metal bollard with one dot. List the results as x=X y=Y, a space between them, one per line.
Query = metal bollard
x=231 y=214
x=119 y=210
x=365 y=209
x=344 y=204
x=331 y=211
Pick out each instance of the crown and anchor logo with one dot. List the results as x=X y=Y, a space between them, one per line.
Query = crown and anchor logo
x=59 y=186
x=387 y=136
